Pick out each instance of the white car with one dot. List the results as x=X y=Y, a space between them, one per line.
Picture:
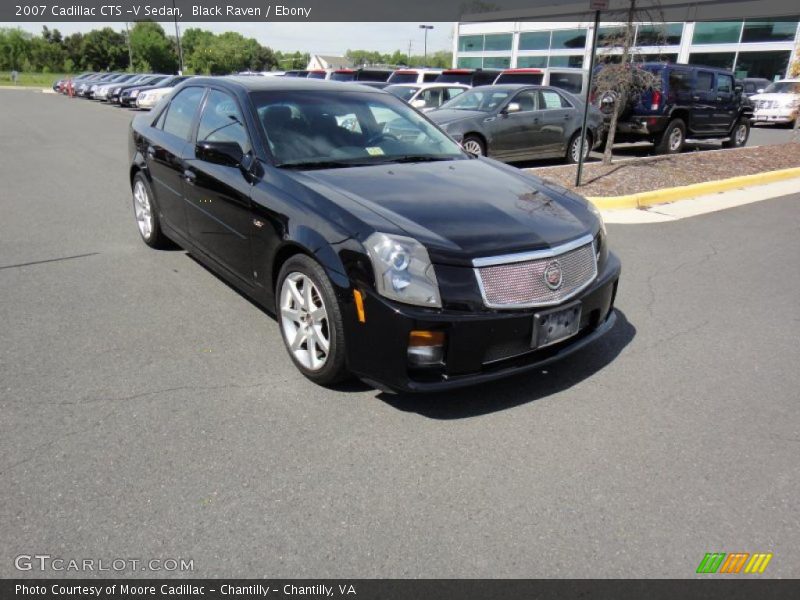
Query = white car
x=426 y=96
x=779 y=103
x=147 y=99
x=424 y=75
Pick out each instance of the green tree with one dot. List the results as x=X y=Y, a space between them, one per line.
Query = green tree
x=104 y=49
x=46 y=56
x=152 y=49
x=73 y=49
x=15 y=46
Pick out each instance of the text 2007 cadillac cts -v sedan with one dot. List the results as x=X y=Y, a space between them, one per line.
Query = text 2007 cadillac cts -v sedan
x=406 y=262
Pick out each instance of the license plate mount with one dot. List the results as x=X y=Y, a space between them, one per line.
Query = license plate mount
x=553 y=326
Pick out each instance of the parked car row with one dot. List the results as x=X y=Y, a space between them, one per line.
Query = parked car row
x=131 y=90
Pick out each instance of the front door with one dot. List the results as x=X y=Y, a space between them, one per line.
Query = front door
x=218 y=196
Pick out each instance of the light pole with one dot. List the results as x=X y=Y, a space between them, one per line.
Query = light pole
x=178 y=39
x=425 y=56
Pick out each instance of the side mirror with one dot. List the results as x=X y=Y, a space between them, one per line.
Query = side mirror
x=760 y=91
x=418 y=103
x=512 y=108
x=220 y=153
x=738 y=89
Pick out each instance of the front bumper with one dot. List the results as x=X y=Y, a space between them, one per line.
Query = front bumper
x=480 y=346
x=775 y=115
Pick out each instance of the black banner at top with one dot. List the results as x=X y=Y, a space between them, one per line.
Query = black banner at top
x=386 y=10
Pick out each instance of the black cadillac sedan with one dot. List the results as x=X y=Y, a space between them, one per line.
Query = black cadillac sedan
x=408 y=263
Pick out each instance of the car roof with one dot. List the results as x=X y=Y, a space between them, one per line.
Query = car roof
x=424 y=86
x=258 y=84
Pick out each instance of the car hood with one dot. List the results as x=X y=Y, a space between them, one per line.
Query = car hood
x=445 y=116
x=461 y=209
x=783 y=97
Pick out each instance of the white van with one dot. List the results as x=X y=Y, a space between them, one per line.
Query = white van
x=414 y=76
x=570 y=80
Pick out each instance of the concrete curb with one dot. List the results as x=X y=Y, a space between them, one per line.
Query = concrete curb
x=662 y=196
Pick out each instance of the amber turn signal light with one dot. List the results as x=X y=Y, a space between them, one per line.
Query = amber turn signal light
x=359 y=299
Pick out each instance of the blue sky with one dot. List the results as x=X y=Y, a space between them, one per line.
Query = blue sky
x=314 y=37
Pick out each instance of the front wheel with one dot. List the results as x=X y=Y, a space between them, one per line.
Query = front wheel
x=574 y=147
x=739 y=135
x=310 y=319
x=672 y=139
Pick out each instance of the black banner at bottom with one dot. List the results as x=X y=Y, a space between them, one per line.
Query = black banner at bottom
x=390 y=589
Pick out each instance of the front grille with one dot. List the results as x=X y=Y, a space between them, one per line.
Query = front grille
x=519 y=282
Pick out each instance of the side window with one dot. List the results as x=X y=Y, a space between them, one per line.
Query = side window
x=549 y=99
x=451 y=93
x=750 y=88
x=432 y=97
x=429 y=77
x=570 y=82
x=222 y=121
x=724 y=84
x=679 y=81
x=181 y=111
x=526 y=100
x=705 y=81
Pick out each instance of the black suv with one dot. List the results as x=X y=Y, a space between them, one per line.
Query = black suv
x=691 y=101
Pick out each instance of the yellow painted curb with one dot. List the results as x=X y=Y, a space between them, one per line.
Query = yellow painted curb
x=683 y=192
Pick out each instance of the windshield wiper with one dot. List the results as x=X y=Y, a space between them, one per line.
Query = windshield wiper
x=320 y=164
x=409 y=158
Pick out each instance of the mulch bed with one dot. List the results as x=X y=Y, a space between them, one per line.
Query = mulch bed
x=657 y=172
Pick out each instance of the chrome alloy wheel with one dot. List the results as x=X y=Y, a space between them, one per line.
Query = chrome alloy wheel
x=675 y=139
x=575 y=150
x=305 y=321
x=473 y=147
x=741 y=134
x=143 y=210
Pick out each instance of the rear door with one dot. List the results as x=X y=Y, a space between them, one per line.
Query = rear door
x=218 y=196
x=165 y=152
x=555 y=113
x=703 y=102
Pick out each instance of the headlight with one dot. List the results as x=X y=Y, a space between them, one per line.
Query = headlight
x=597 y=214
x=403 y=270
x=134 y=93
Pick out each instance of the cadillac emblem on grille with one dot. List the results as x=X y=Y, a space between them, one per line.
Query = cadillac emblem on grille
x=537 y=278
x=552 y=275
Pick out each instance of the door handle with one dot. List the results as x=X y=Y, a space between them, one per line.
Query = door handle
x=696 y=98
x=567 y=117
x=719 y=98
x=189 y=176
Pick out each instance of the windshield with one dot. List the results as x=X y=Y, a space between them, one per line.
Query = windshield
x=783 y=87
x=341 y=129
x=316 y=75
x=402 y=91
x=484 y=100
x=529 y=78
x=403 y=77
x=343 y=76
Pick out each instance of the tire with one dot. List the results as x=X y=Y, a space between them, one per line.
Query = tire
x=672 y=139
x=739 y=135
x=573 y=148
x=306 y=332
x=144 y=210
x=474 y=145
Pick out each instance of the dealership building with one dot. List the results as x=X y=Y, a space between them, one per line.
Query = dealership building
x=752 y=48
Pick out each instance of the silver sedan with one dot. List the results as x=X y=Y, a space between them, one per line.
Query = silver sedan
x=519 y=122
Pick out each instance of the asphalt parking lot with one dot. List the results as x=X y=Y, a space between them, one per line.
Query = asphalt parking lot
x=148 y=410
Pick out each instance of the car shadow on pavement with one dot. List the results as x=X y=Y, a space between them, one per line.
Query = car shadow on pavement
x=519 y=389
